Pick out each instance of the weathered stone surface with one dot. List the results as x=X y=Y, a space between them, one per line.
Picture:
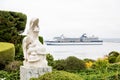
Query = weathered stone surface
x=35 y=63
x=34 y=51
x=29 y=72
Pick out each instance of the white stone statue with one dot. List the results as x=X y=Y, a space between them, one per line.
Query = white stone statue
x=34 y=51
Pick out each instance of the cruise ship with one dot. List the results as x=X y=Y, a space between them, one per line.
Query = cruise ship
x=83 y=40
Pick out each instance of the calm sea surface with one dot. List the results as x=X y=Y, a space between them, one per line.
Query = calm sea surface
x=83 y=51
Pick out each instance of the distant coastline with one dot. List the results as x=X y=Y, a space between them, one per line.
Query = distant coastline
x=115 y=40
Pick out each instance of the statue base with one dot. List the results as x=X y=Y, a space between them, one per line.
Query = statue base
x=33 y=72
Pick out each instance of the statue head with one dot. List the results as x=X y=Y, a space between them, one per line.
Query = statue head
x=34 y=27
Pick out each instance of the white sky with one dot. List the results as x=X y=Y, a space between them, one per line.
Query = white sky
x=70 y=17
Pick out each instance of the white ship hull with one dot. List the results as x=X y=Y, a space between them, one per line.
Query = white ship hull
x=74 y=43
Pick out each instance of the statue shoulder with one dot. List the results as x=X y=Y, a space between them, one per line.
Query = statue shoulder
x=26 y=39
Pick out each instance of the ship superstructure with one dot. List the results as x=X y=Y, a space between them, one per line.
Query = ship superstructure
x=84 y=39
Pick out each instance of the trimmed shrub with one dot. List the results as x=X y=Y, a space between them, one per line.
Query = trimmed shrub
x=7 y=52
x=74 y=64
x=58 y=75
x=11 y=25
x=9 y=19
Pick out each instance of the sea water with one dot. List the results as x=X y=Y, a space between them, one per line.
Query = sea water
x=83 y=51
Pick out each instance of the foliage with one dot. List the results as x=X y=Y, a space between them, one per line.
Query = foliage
x=114 y=53
x=70 y=64
x=13 y=66
x=50 y=59
x=11 y=25
x=89 y=64
x=102 y=76
x=112 y=73
x=59 y=64
x=41 y=39
x=87 y=60
x=112 y=59
x=114 y=67
x=112 y=56
x=101 y=65
x=3 y=74
x=9 y=19
x=9 y=76
x=19 y=52
x=7 y=53
x=58 y=75
x=118 y=58
x=115 y=76
x=74 y=64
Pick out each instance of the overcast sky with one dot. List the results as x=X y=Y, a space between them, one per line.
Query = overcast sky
x=70 y=17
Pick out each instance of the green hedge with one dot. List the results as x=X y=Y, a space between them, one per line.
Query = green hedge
x=7 y=52
x=11 y=25
x=9 y=19
x=58 y=75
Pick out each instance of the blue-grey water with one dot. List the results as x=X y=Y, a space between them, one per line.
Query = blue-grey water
x=84 y=51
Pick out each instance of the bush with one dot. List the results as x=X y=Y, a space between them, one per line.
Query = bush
x=9 y=76
x=114 y=67
x=41 y=39
x=115 y=76
x=7 y=53
x=59 y=64
x=3 y=74
x=50 y=59
x=13 y=66
x=118 y=58
x=114 y=53
x=112 y=59
x=19 y=52
x=58 y=75
x=89 y=60
x=74 y=64
x=11 y=25
x=112 y=56
x=71 y=64
x=11 y=19
x=101 y=65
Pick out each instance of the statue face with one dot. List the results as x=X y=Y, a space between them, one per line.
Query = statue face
x=36 y=29
x=34 y=25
